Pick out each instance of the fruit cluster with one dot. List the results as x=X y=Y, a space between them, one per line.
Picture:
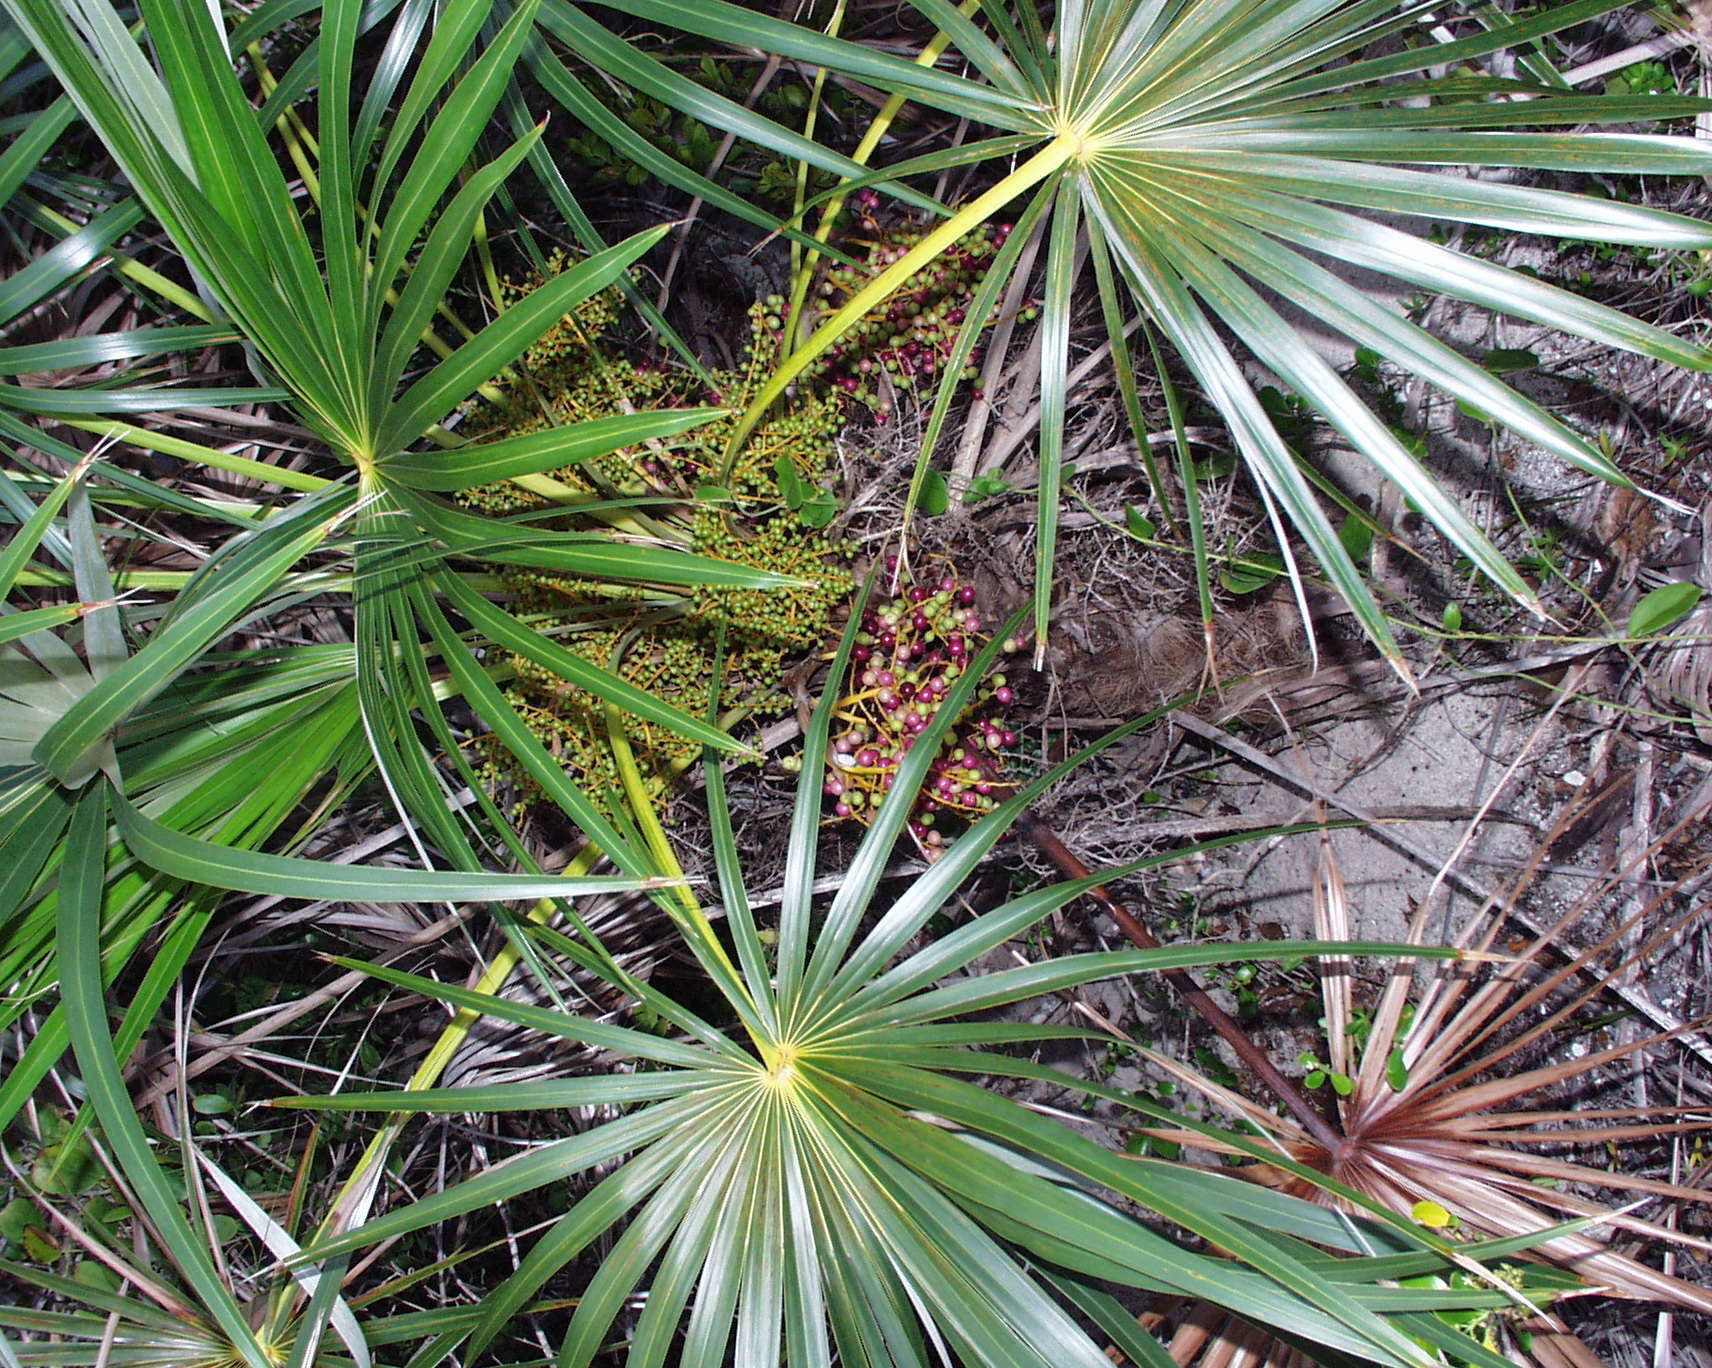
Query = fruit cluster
x=909 y=339
x=662 y=643
x=909 y=654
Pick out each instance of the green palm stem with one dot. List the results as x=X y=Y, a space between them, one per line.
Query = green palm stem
x=177 y=579
x=124 y=579
x=134 y=270
x=483 y=245
x=163 y=444
x=800 y=272
x=689 y=917
x=1049 y=161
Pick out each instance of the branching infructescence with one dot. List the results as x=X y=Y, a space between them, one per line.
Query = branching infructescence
x=665 y=643
x=909 y=338
x=911 y=650
x=757 y=514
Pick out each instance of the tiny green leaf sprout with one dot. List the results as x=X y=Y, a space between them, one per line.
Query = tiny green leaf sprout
x=1319 y=1074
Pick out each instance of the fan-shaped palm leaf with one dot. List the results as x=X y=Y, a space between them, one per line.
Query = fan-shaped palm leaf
x=1218 y=145
x=808 y=1177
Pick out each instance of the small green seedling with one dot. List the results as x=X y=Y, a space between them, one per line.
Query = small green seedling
x=1319 y=1074
x=1255 y=571
x=935 y=494
x=1643 y=78
x=985 y=486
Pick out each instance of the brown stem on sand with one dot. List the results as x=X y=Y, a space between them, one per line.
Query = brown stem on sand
x=1214 y=1015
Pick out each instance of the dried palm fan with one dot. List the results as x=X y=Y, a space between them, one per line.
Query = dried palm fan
x=1683 y=678
x=1442 y=1113
x=1126 y=665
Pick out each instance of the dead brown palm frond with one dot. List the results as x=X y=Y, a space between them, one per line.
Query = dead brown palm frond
x=1446 y=1110
x=1452 y=1102
x=1209 y=1337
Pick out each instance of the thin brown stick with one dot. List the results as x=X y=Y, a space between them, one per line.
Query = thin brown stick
x=1191 y=992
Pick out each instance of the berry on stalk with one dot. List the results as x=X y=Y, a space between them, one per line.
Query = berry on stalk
x=917 y=643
